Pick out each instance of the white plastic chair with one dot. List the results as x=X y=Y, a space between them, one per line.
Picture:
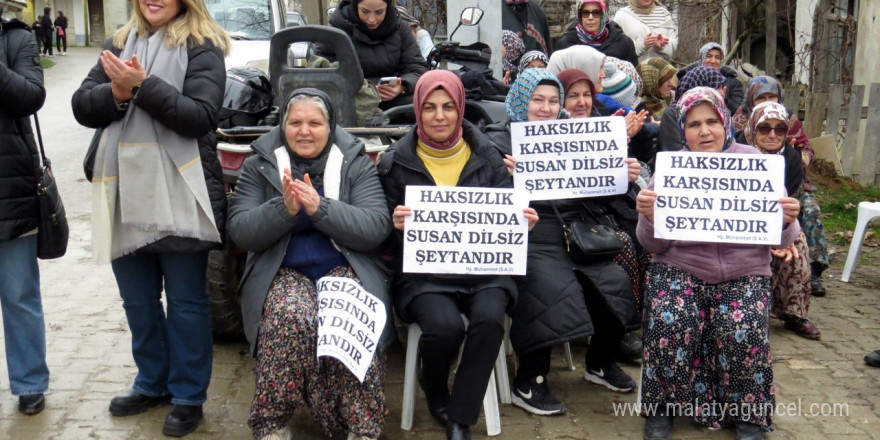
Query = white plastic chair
x=867 y=211
x=490 y=399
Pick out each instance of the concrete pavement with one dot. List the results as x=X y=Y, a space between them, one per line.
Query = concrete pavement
x=90 y=360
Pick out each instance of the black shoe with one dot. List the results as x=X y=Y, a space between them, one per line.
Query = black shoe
x=457 y=431
x=657 y=428
x=816 y=287
x=630 y=348
x=437 y=401
x=133 y=402
x=535 y=397
x=749 y=431
x=31 y=404
x=873 y=359
x=182 y=420
x=610 y=376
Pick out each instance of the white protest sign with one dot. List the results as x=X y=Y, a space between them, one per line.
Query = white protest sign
x=350 y=322
x=569 y=158
x=460 y=230
x=719 y=197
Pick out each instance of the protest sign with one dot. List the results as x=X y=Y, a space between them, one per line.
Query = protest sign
x=569 y=158
x=460 y=230
x=350 y=322
x=719 y=197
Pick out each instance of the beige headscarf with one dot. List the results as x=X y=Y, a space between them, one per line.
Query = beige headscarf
x=634 y=4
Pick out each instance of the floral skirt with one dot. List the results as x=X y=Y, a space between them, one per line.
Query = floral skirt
x=791 y=283
x=289 y=375
x=810 y=219
x=707 y=348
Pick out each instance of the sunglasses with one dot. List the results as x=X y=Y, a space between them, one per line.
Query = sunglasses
x=765 y=130
x=594 y=12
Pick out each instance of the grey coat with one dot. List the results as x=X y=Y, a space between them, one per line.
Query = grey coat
x=358 y=223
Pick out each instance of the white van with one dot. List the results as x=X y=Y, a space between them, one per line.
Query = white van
x=250 y=23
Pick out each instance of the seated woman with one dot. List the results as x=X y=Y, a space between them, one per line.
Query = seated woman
x=659 y=79
x=712 y=55
x=308 y=204
x=446 y=150
x=559 y=300
x=706 y=306
x=533 y=59
x=766 y=129
x=385 y=47
x=765 y=88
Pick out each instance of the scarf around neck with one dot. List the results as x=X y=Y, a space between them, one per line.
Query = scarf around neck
x=634 y=4
x=598 y=37
x=148 y=182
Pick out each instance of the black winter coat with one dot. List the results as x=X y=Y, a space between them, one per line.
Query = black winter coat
x=557 y=296
x=735 y=92
x=399 y=167
x=191 y=113
x=46 y=24
x=61 y=22
x=529 y=22
x=616 y=45
x=21 y=95
x=397 y=54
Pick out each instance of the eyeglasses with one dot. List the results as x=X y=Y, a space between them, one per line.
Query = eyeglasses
x=594 y=12
x=765 y=130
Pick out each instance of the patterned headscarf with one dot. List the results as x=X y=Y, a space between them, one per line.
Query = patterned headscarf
x=704 y=51
x=598 y=37
x=762 y=112
x=700 y=76
x=654 y=72
x=530 y=56
x=515 y=48
x=517 y=102
x=758 y=86
x=697 y=96
x=630 y=71
x=429 y=82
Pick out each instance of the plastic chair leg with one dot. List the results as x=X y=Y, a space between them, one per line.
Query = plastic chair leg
x=490 y=408
x=410 y=376
x=502 y=378
x=855 y=247
x=568 y=358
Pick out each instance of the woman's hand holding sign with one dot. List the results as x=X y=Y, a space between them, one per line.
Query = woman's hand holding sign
x=398 y=217
x=790 y=209
x=634 y=167
x=645 y=203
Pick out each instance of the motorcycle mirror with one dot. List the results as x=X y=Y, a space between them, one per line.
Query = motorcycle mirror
x=471 y=15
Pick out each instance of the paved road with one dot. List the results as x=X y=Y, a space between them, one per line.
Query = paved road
x=90 y=359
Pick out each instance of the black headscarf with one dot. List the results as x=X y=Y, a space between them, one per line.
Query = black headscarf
x=348 y=9
x=298 y=164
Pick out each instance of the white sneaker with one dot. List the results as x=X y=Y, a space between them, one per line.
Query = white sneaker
x=353 y=436
x=282 y=434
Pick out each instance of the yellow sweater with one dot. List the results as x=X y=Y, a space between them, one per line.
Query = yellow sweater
x=445 y=166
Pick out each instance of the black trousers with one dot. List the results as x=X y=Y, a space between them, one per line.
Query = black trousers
x=603 y=343
x=47 y=44
x=443 y=331
x=59 y=39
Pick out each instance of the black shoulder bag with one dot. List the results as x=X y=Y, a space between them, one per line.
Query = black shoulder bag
x=54 y=232
x=588 y=244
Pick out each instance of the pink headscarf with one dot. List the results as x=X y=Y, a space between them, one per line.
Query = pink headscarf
x=449 y=82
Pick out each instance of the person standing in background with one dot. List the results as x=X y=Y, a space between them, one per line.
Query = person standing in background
x=61 y=33
x=48 y=30
x=21 y=95
x=527 y=20
x=649 y=24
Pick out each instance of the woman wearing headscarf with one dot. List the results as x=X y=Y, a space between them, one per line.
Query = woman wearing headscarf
x=659 y=79
x=712 y=55
x=385 y=46
x=159 y=204
x=533 y=59
x=669 y=137
x=558 y=299
x=593 y=27
x=446 y=150
x=512 y=49
x=766 y=129
x=763 y=89
x=650 y=26
x=706 y=306
x=308 y=204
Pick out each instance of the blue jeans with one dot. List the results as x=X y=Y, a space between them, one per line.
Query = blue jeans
x=173 y=353
x=23 y=326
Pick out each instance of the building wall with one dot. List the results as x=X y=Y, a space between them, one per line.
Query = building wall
x=867 y=49
x=116 y=14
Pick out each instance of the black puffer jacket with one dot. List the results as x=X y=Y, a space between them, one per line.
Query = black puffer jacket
x=735 y=92
x=21 y=94
x=617 y=44
x=191 y=113
x=389 y=50
x=399 y=167
x=552 y=306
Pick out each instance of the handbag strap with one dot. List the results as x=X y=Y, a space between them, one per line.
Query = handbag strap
x=43 y=157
